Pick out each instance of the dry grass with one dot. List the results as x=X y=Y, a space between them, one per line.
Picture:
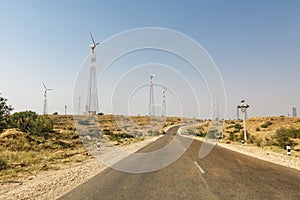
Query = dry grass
x=263 y=130
x=22 y=154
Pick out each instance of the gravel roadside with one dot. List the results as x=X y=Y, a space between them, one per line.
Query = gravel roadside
x=54 y=183
x=260 y=153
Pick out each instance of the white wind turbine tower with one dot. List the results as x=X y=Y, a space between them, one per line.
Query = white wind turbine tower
x=151 y=100
x=164 y=105
x=92 y=98
x=79 y=105
x=45 y=99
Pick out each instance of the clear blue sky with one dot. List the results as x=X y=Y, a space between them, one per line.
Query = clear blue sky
x=255 y=44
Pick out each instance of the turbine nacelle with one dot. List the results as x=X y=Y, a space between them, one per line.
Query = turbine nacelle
x=94 y=44
x=46 y=89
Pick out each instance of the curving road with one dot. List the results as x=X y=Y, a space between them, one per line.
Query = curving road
x=223 y=174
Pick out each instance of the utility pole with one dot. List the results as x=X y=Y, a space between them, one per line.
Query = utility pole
x=243 y=107
x=65 y=109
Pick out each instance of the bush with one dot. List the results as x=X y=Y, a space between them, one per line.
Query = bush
x=119 y=136
x=30 y=122
x=266 y=125
x=249 y=136
x=257 y=129
x=237 y=127
x=283 y=138
x=293 y=132
x=4 y=113
x=3 y=164
x=252 y=139
x=42 y=125
x=258 y=142
x=106 y=132
x=24 y=121
x=231 y=136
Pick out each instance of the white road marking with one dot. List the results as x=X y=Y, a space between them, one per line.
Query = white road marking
x=199 y=167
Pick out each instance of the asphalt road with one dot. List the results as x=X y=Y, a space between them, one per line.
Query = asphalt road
x=223 y=174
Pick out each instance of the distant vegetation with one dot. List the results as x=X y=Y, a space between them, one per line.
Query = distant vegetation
x=283 y=136
x=265 y=131
x=266 y=124
x=32 y=123
x=4 y=113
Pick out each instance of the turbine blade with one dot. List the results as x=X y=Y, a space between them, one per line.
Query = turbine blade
x=92 y=38
x=44 y=86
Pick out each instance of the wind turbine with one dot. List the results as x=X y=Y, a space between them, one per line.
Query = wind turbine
x=93 y=45
x=151 y=96
x=45 y=98
x=164 y=105
x=92 y=99
x=79 y=106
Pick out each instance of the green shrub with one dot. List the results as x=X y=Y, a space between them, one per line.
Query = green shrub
x=119 y=136
x=237 y=127
x=293 y=132
x=258 y=142
x=283 y=138
x=42 y=125
x=249 y=136
x=106 y=132
x=3 y=164
x=30 y=122
x=257 y=129
x=24 y=121
x=4 y=113
x=266 y=125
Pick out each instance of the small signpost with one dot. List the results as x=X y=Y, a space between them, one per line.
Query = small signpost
x=98 y=145
x=288 y=150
